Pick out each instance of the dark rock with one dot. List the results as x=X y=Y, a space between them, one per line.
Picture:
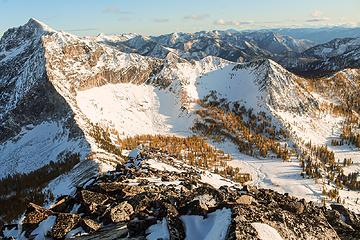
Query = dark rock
x=63 y=204
x=137 y=227
x=165 y=178
x=89 y=225
x=64 y=223
x=295 y=207
x=111 y=187
x=337 y=222
x=350 y=217
x=176 y=228
x=90 y=197
x=2 y=224
x=171 y=210
x=143 y=182
x=193 y=208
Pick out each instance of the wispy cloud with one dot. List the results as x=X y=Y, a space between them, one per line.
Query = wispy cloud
x=161 y=20
x=314 y=20
x=113 y=9
x=229 y=23
x=317 y=16
x=197 y=17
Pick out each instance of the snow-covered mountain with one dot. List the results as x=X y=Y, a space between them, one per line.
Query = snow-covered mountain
x=298 y=55
x=338 y=54
x=232 y=46
x=57 y=89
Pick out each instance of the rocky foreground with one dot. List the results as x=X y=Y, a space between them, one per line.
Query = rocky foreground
x=138 y=201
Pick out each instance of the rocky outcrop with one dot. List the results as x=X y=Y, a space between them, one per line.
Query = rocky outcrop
x=129 y=199
x=33 y=216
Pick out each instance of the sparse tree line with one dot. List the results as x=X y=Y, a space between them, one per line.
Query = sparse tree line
x=194 y=150
x=318 y=162
x=347 y=95
x=17 y=190
x=253 y=134
x=103 y=138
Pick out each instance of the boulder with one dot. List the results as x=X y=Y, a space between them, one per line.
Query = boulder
x=245 y=200
x=34 y=214
x=89 y=197
x=294 y=207
x=121 y=212
x=65 y=222
x=89 y=225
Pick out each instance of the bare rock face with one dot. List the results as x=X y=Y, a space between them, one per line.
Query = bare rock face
x=64 y=223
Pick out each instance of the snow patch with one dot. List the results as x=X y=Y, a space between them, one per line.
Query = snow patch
x=198 y=227
x=266 y=232
x=44 y=227
x=158 y=231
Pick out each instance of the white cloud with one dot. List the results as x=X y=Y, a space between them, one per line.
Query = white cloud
x=222 y=22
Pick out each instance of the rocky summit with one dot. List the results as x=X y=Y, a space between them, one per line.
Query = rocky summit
x=139 y=201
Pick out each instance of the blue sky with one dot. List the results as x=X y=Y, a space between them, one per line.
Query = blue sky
x=90 y=17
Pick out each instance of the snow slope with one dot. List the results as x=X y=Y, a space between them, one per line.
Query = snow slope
x=134 y=109
x=36 y=146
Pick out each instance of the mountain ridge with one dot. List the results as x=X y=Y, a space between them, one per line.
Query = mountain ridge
x=65 y=94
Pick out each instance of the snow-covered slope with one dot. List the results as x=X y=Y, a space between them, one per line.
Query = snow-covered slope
x=35 y=120
x=55 y=85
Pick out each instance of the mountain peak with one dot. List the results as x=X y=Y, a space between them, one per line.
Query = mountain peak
x=36 y=24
